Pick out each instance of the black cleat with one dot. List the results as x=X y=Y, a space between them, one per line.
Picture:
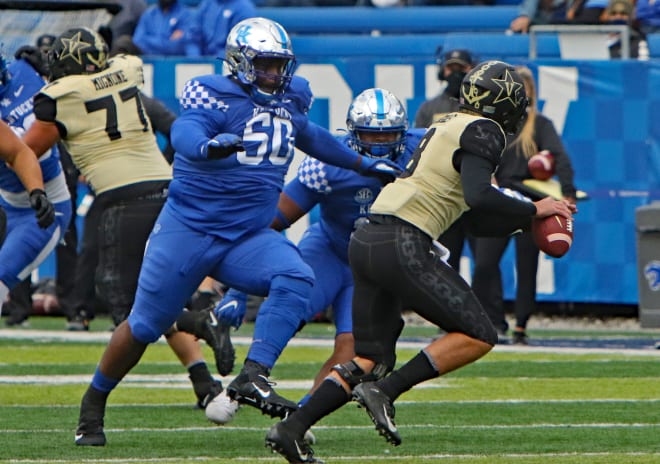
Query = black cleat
x=380 y=409
x=214 y=390
x=293 y=447
x=216 y=334
x=519 y=337
x=90 y=423
x=253 y=388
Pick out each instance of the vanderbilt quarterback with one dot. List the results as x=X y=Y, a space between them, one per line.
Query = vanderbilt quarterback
x=93 y=106
x=395 y=266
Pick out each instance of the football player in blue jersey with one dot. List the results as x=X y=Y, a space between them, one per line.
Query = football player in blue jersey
x=377 y=126
x=26 y=185
x=234 y=141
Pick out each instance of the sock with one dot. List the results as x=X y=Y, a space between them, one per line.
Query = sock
x=94 y=397
x=102 y=383
x=329 y=397
x=415 y=371
x=201 y=378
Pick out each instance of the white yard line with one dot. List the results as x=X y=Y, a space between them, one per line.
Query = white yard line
x=95 y=337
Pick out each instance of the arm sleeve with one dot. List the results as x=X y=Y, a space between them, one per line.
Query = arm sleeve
x=321 y=144
x=45 y=109
x=191 y=132
x=528 y=8
x=481 y=195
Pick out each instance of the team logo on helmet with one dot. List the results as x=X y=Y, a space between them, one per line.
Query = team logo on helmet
x=652 y=274
x=509 y=89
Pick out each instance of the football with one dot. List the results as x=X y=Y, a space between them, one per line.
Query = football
x=542 y=165
x=553 y=235
x=221 y=409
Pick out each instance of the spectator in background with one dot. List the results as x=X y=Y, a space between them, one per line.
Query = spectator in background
x=620 y=12
x=647 y=14
x=167 y=28
x=125 y=21
x=45 y=42
x=453 y=66
x=537 y=134
x=534 y=12
x=216 y=18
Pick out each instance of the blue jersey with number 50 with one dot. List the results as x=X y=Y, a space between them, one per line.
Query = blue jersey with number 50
x=236 y=195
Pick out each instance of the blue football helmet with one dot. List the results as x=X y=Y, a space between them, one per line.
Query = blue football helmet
x=377 y=110
x=262 y=41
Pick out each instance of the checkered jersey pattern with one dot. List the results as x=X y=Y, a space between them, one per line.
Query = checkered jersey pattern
x=195 y=95
x=312 y=174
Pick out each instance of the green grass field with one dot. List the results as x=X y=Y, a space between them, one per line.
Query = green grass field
x=515 y=406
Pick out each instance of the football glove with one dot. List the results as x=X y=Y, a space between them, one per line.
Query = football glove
x=44 y=209
x=223 y=145
x=35 y=57
x=231 y=309
x=385 y=169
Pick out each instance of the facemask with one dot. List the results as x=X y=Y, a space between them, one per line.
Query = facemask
x=454 y=81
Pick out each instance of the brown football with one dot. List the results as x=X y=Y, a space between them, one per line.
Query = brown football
x=553 y=235
x=542 y=165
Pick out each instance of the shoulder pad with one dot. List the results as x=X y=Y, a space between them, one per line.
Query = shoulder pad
x=300 y=92
x=313 y=175
x=485 y=138
x=207 y=92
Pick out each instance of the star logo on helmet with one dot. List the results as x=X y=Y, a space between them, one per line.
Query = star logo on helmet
x=508 y=89
x=73 y=46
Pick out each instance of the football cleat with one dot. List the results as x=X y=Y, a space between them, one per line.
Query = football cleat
x=293 y=447
x=221 y=409
x=216 y=334
x=253 y=388
x=90 y=423
x=380 y=409
x=207 y=393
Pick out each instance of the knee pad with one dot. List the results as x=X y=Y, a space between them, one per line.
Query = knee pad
x=142 y=332
x=353 y=374
x=288 y=292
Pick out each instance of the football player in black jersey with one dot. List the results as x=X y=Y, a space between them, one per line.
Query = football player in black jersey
x=394 y=264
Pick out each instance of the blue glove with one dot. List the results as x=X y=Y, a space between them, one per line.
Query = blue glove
x=383 y=168
x=232 y=307
x=223 y=145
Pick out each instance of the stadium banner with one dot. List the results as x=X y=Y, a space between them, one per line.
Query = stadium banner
x=604 y=111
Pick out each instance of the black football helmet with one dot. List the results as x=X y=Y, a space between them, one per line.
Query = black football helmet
x=495 y=90
x=77 y=51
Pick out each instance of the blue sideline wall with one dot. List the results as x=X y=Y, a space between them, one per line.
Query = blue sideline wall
x=605 y=111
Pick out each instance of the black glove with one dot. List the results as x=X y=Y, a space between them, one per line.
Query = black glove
x=35 y=57
x=44 y=209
